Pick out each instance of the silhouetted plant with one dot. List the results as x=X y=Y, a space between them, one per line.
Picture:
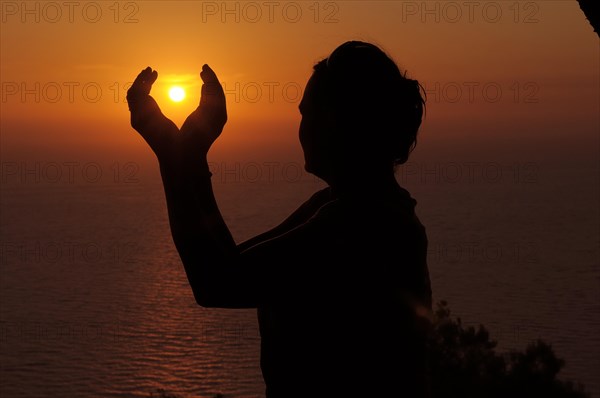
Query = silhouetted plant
x=464 y=363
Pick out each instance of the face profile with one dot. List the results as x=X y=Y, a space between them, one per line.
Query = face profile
x=312 y=130
x=359 y=113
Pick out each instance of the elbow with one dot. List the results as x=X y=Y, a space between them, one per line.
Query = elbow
x=205 y=299
x=205 y=290
x=219 y=298
x=210 y=295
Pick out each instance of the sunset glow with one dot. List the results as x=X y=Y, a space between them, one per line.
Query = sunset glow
x=462 y=64
x=176 y=94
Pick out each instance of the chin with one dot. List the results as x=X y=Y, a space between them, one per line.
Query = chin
x=308 y=166
x=314 y=171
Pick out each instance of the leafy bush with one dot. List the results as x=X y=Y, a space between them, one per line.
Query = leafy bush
x=464 y=364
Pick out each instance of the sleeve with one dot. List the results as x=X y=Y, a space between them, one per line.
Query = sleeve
x=273 y=270
x=297 y=218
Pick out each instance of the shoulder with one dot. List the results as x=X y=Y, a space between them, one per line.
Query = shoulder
x=318 y=199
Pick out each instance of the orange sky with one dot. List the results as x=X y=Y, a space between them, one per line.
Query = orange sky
x=76 y=63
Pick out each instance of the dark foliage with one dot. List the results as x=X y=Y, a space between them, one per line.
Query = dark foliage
x=464 y=363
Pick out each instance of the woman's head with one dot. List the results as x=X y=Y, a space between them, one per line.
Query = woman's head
x=359 y=112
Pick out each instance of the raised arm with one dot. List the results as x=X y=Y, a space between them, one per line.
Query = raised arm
x=218 y=275
x=198 y=229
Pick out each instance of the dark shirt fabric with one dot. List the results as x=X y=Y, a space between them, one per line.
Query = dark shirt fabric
x=345 y=302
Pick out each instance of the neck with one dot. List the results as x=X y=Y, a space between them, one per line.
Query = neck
x=364 y=183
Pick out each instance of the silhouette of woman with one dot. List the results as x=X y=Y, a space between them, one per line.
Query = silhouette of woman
x=341 y=286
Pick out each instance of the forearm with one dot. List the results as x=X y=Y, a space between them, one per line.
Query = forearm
x=205 y=245
x=201 y=236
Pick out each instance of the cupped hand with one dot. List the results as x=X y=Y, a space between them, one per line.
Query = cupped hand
x=204 y=125
x=147 y=119
x=199 y=131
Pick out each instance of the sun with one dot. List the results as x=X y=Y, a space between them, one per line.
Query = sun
x=177 y=93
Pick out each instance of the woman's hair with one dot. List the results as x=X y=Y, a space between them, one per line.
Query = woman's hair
x=375 y=108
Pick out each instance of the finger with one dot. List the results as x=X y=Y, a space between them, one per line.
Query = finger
x=208 y=75
x=212 y=91
x=143 y=82
x=152 y=78
x=143 y=75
